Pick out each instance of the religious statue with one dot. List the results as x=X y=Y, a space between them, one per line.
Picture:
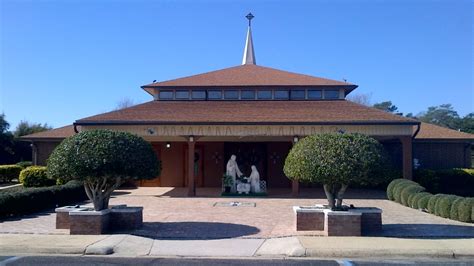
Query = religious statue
x=254 y=180
x=234 y=171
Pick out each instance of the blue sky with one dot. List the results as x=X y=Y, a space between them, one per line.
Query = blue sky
x=65 y=60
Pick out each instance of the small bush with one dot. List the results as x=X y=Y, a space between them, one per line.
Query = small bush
x=412 y=199
x=24 y=164
x=397 y=190
x=432 y=203
x=21 y=200
x=35 y=176
x=465 y=210
x=422 y=200
x=409 y=190
x=454 y=213
x=9 y=172
x=443 y=205
x=392 y=186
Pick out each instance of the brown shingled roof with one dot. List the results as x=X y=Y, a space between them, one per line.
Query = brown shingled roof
x=249 y=75
x=256 y=112
x=57 y=133
x=430 y=131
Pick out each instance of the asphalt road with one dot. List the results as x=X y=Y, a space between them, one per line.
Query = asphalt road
x=104 y=260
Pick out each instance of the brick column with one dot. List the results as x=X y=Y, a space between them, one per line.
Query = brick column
x=407 y=153
x=34 y=151
x=295 y=185
x=191 y=181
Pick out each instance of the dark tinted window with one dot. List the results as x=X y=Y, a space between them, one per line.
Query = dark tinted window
x=331 y=94
x=198 y=95
x=264 y=95
x=314 y=94
x=166 y=95
x=281 y=95
x=182 y=95
x=214 y=95
x=231 y=95
x=297 y=94
x=247 y=95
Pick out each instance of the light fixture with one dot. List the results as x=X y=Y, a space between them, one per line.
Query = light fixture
x=191 y=138
x=295 y=139
x=168 y=145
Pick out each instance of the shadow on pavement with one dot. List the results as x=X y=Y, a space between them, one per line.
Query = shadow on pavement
x=194 y=230
x=446 y=231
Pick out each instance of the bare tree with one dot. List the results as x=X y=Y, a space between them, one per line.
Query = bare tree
x=360 y=98
x=124 y=103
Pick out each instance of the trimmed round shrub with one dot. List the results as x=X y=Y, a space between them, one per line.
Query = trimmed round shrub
x=9 y=172
x=409 y=190
x=397 y=190
x=392 y=186
x=412 y=199
x=454 y=213
x=422 y=200
x=443 y=205
x=35 y=176
x=336 y=161
x=103 y=160
x=432 y=203
x=465 y=210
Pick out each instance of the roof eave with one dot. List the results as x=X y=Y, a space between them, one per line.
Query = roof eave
x=126 y=122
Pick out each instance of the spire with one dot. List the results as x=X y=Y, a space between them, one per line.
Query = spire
x=249 y=54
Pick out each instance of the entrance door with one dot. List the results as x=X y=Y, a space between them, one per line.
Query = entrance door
x=155 y=182
x=198 y=166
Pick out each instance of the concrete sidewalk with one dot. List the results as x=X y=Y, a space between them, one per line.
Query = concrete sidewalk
x=321 y=247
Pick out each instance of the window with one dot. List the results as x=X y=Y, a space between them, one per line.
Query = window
x=231 y=94
x=315 y=94
x=264 y=95
x=297 y=94
x=214 y=95
x=331 y=94
x=166 y=95
x=182 y=95
x=198 y=95
x=281 y=95
x=247 y=95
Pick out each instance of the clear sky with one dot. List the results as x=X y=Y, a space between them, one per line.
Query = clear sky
x=65 y=60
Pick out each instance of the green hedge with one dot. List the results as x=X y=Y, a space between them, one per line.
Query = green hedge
x=9 y=172
x=413 y=195
x=24 y=164
x=35 y=176
x=21 y=200
x=449 y=181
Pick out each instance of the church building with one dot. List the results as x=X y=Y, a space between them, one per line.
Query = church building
x=196 y=123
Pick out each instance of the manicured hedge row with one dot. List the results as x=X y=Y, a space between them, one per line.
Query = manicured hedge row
x=9 y=172
x=35 y=176
x=21 y=200
x=411 y=194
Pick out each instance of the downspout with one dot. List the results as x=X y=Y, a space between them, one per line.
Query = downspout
x=418 y=127
x=75 y=128
x=34 y=155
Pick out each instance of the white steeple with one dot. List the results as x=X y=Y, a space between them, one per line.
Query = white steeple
x=249 y=54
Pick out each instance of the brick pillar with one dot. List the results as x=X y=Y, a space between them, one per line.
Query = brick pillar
x=191 y=181
x=295 y=185
x=407 y=153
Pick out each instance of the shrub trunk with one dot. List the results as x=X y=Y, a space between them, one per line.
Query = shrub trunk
x=99 y=191
x=335 y=195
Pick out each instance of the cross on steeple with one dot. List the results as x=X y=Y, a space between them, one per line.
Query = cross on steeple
x=249 y=55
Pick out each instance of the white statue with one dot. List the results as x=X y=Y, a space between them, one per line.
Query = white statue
x=254 y=180
x=234 y=171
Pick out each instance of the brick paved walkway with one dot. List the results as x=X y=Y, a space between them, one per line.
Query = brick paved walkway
x=169 y=214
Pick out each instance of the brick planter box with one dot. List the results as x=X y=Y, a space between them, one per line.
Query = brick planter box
x=62 y=216
x=89 y=222
x=126 y=218
x=342 y=223
x=309 y=218
x=371 y=219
